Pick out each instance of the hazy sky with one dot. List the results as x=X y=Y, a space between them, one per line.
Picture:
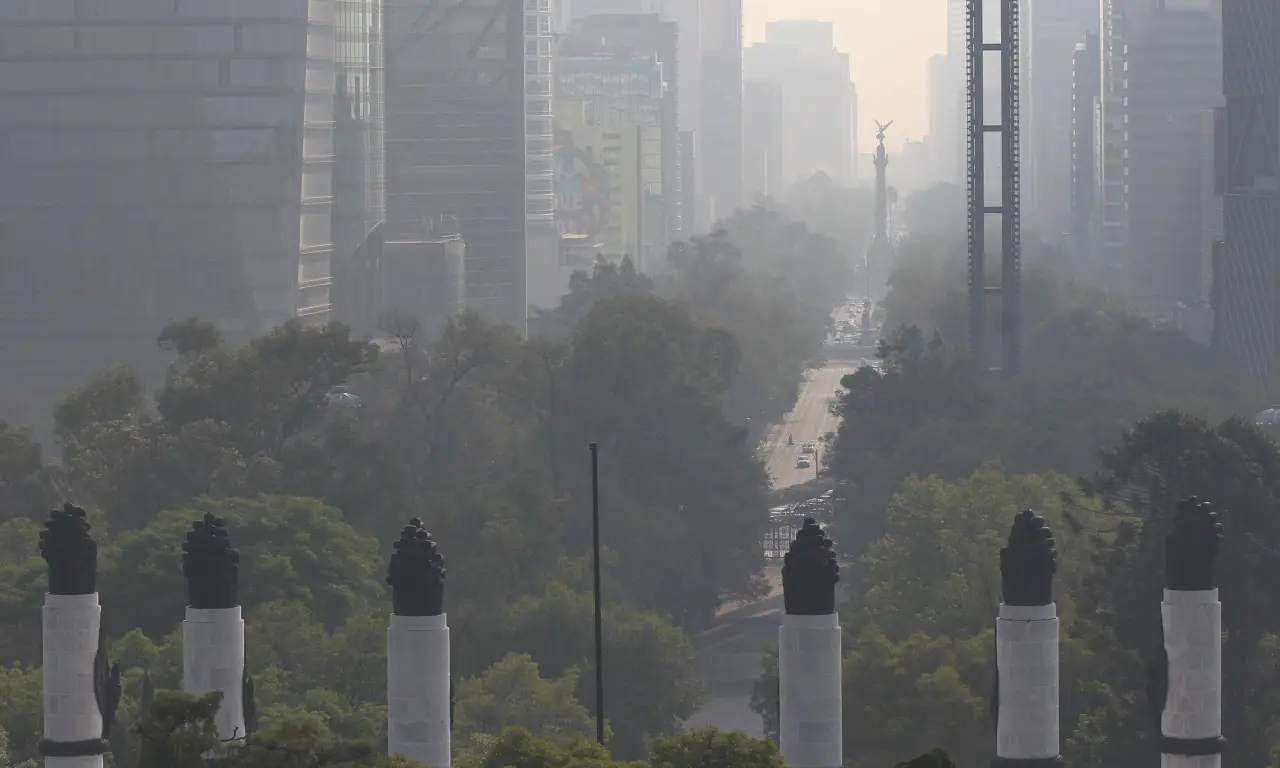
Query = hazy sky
x=889 y=43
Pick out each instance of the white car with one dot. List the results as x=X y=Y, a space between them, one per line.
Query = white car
x=803 y=463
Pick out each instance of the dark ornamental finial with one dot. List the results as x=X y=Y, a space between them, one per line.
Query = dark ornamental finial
x=72 y=554
x=1192 y=546
x=417 y=573
x=1028 y=563
x=810 y=573
x=211 y=566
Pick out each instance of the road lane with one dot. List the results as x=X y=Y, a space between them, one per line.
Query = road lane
x=809 y=420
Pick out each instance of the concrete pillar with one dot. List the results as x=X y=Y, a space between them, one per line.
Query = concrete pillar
x=80 y=691
x=810 y=733
x=213 y=660
x=1191 y=616
x=419 y=720
x=213 y=633
x=1026 y=700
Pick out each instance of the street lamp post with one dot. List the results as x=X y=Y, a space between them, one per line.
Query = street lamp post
x=595 y=568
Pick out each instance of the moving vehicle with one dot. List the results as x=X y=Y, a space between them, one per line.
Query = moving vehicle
x=807 y=448
x=803 y=463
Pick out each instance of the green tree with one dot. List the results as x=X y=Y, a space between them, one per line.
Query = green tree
x=178 y=730
x=606 y=280
x=26 y=485
x=684 y=485
x=290 y=548
x=652 y=685
x=937 y=569
x=713 y=748
x=517 y=748
x=512 y=693
x=267 y=392
x=115 y=393
x=934 y=759
x=1162 y=459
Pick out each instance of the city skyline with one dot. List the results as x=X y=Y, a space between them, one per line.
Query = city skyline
x=881 y=37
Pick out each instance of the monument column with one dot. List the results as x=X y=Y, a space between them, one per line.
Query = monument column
x=213 y=632
x=1026 y=691
x=80 y=692
x=809 y=654
x=418 y=716
x=1190 y=691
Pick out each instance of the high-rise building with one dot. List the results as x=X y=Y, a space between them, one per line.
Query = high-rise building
x=1247 y=273
x=162 y=160
x=609 y=155
x=721 y=105
x=1161 y=72
x=687 y=16
x=645 y=36
x=1050 y=31
x=817 y=97
x=946 y=121
x=762 y=139
x=1086 y=85
x=469 y=135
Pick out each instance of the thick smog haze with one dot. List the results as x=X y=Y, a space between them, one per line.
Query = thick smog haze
x=889 y=43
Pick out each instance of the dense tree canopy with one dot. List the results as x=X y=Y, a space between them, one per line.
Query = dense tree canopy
x=1090 y=368
x=317 y=447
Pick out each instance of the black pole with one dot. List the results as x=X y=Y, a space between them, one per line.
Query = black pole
x=595 y=567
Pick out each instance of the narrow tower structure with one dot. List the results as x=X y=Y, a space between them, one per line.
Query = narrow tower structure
x=809 y=697
x=880 y=254
x=1189 y=694
x=77 y=716
x=213 y=631
x=1010 y=207
x=1026 y=690
x=418 y=652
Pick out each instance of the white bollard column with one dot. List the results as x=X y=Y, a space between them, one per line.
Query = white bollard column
x=72 y=720
x=80 y=691
x=213 y=660
x=418 y=689
x=213 y=631
x=1192 y=717
x=1191 y=616
x=1027 y=662
x=809 y=695
x=810 y=700
x=419 y=716
x=1026 y=700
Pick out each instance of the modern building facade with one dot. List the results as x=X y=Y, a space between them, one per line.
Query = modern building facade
x=636 y=37
x=1247 y=273
x=162 y=160
x=1162 y=71
x=469 y=136
x=1051 y=30
x=1086 y=88
x=609 y=155
x=817 y=97
x=762 y=139
x=721 y=106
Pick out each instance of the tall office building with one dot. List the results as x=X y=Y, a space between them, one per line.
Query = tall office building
x=762 y=139
x=946 y=122
x=469 y=135
x=1051 y=30
x=610 y=153
x=1247 y=274
x=648 y=36
x=1161 y=72
x=161 y=160
x=1086 y=85
x=721 y=105
x=817 y=97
